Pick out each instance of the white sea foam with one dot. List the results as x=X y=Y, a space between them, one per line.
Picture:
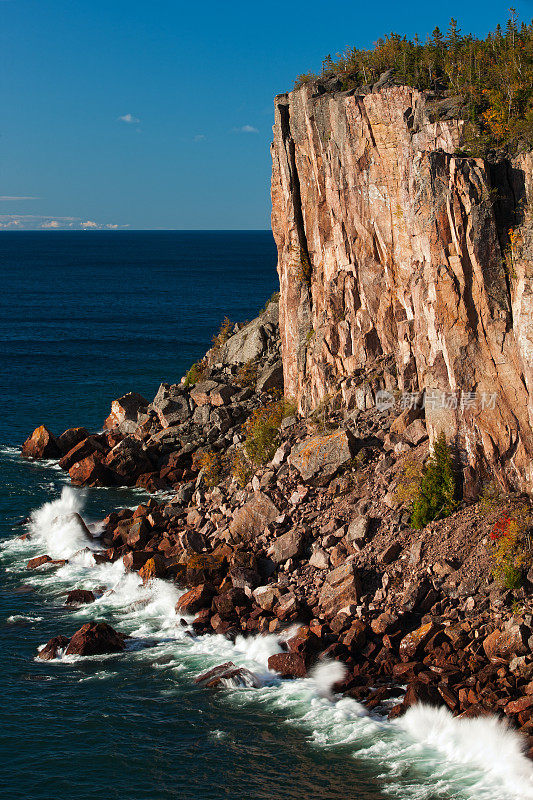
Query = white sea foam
x=425 y=755
x=22 y=619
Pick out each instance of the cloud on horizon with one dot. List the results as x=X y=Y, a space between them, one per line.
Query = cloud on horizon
x=246 y=129
x=7 y=197
x=129 y=119
x=36 y=222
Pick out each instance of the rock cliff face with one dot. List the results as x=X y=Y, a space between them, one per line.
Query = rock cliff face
x=398 y=271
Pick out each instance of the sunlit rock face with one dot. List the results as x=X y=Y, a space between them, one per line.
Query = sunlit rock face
x=397 y=268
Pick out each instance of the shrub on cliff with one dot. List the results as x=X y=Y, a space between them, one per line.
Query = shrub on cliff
x=262 y=432
x=436 y=493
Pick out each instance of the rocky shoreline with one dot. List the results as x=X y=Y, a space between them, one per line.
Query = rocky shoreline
x=315 y=538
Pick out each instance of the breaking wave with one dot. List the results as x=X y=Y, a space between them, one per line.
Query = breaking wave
x=426 y=754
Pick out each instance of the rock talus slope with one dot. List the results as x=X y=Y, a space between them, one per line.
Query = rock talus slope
x=398 y=270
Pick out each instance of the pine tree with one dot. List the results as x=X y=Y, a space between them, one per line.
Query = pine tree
x=436 y=496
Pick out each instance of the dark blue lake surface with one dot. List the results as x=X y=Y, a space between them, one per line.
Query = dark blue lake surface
x=84 y=318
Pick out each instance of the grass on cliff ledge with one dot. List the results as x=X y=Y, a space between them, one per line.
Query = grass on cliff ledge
x=492 y=78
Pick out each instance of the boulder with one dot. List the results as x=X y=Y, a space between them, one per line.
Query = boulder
x=41 y=444
x=289 y=545
x=416 y=432
x=126 y=408
x=502 y=645
x=79 y=597
x=412 y=645
x=319 y=457
x=342 y=587
x=171 y=405
x=153 y=568
x=84 y=448
x=194 y=600
x=205 y=568
x=53 y=647
x=228 y=674
x=201 y=394
x=90 y=471
x=95 y=638
x=70 y=438
x=266 y=597
x=251 y=520
x=136 y=559
x=222 y=395
x=227 y=603
x=128 y=460
x=288 y=665
x=358 y=530
x=39 y=561
x=271 y=378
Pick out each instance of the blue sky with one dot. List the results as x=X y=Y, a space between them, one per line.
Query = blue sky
x=159 y=114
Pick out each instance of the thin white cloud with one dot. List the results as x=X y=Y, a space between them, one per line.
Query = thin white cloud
x=129 y=119
x=246 y=129
x=200 y=137
x=34 y=222
x=7 y=197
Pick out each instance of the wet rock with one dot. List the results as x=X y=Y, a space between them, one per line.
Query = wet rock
x=228 y=602
x=70 y=438
x=134 y=560
x=319 y=457
x=126 y=409
x=228 y=674
x=153 y=568
x=95 y=638
x=79 y=597
x=251 y=520
x=289 y=545
x=40 y=561
x=52 y=648
x=196 y=599
x=288 y=665
x=41 y=444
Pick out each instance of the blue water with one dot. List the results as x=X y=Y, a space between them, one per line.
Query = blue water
x=85 y=317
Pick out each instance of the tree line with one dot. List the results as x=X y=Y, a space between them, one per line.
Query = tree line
x=492 y=76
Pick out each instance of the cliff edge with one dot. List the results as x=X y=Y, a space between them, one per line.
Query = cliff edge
x=405 y=270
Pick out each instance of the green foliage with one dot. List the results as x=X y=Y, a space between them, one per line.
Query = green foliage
x=241 y=469
x=436 y=494
x=262 y=432
x=492 y=76
x=195 y=373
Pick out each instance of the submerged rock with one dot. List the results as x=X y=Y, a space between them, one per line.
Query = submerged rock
x=53 y=647
x=228 y=675
x=80 y=597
